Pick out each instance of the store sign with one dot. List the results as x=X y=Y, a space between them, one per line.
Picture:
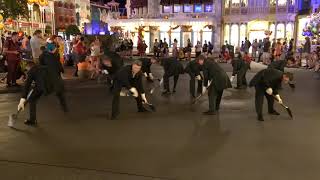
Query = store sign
x=177 y=8
x=208 y=8
x=167 y=9
x=198 y=8
x=187 y=8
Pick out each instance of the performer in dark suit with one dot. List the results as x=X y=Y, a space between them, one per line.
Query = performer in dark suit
x=240 y=68
x=46 y=79
x=172 y=67
x=110 y=65
x=267 y=83
x=219 y=81
x=129 y=77
x=146 y=67
x=194 y=69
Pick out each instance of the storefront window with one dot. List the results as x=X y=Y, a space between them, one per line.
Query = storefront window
x=282 y=2
x=243 y=32
x=147 y=40
x=206 y=35
x=196 y=37
x=175 y=34
x=273 y=2
x=227 y=3
x=164 y=35
x=235 y=35
x=238 y=3
x=280 y=31
x=289 y=31
x=177 y=8
x=186 y=36
x=273 y=30
x=227 y=33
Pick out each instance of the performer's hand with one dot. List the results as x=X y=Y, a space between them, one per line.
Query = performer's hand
x=143 y=97
x=232 y=78
x=278 y=99
x=151 y=76
x=198 y=78
x=21 y=104
x=269 y=91
x=105 y=72
x=204 y=89
x=134 y=92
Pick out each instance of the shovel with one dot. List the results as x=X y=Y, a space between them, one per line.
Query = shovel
x=13 y=117
x=286 y=107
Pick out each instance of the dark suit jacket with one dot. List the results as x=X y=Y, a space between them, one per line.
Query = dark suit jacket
x=172 y=67
x=280 y=65
x=146 y=65
x=124 y=78
x=193 y=68
x=268 y=78
x=214 y=73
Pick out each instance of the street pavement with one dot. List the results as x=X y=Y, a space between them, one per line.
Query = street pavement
x=176 y=142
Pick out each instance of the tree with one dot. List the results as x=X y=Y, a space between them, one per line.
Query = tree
x=14 y=8
x=72 y=30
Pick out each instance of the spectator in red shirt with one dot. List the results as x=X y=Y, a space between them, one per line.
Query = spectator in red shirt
x=79 y=51
x=11 y=49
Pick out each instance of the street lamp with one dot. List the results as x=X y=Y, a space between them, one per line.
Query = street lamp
x=30 y=8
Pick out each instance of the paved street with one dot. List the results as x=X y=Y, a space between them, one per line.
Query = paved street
x=176 y=142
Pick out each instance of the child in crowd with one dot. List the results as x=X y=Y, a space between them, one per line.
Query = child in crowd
x=51 y=46
x=84 y=71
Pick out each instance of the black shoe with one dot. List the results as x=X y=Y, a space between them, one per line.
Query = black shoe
x=274 y=113
x=16 y=85
x=166 y=92
x=260 y=118
x=30 y=123
x=209 y=113
x=174 y=91
x=143 y=110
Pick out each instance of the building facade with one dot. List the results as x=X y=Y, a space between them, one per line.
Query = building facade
x=197 y=20
x=254 y=18
x=65 y=15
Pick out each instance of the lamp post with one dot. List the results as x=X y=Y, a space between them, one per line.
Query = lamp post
x=30 y=8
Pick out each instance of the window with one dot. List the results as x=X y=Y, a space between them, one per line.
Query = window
x=273 y=30
x=187 y=8
x=243 y=32
x=206 y=35
x=175 y=34
x=198 y=8
x=282 y=2
x=235 y=35
x=177 y=8
x=280 y=31
x=208 y=8
x=289 y=31
x=167 y=9
x=227 y=33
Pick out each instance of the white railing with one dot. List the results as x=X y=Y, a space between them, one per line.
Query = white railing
x=259 y=10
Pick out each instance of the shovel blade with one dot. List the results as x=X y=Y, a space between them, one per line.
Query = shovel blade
x=12 y=120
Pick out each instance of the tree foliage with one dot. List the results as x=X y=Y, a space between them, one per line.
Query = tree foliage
x=72 y=30
x=14 y=8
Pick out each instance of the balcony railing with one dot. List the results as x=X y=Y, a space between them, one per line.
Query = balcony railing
x=259 y=10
